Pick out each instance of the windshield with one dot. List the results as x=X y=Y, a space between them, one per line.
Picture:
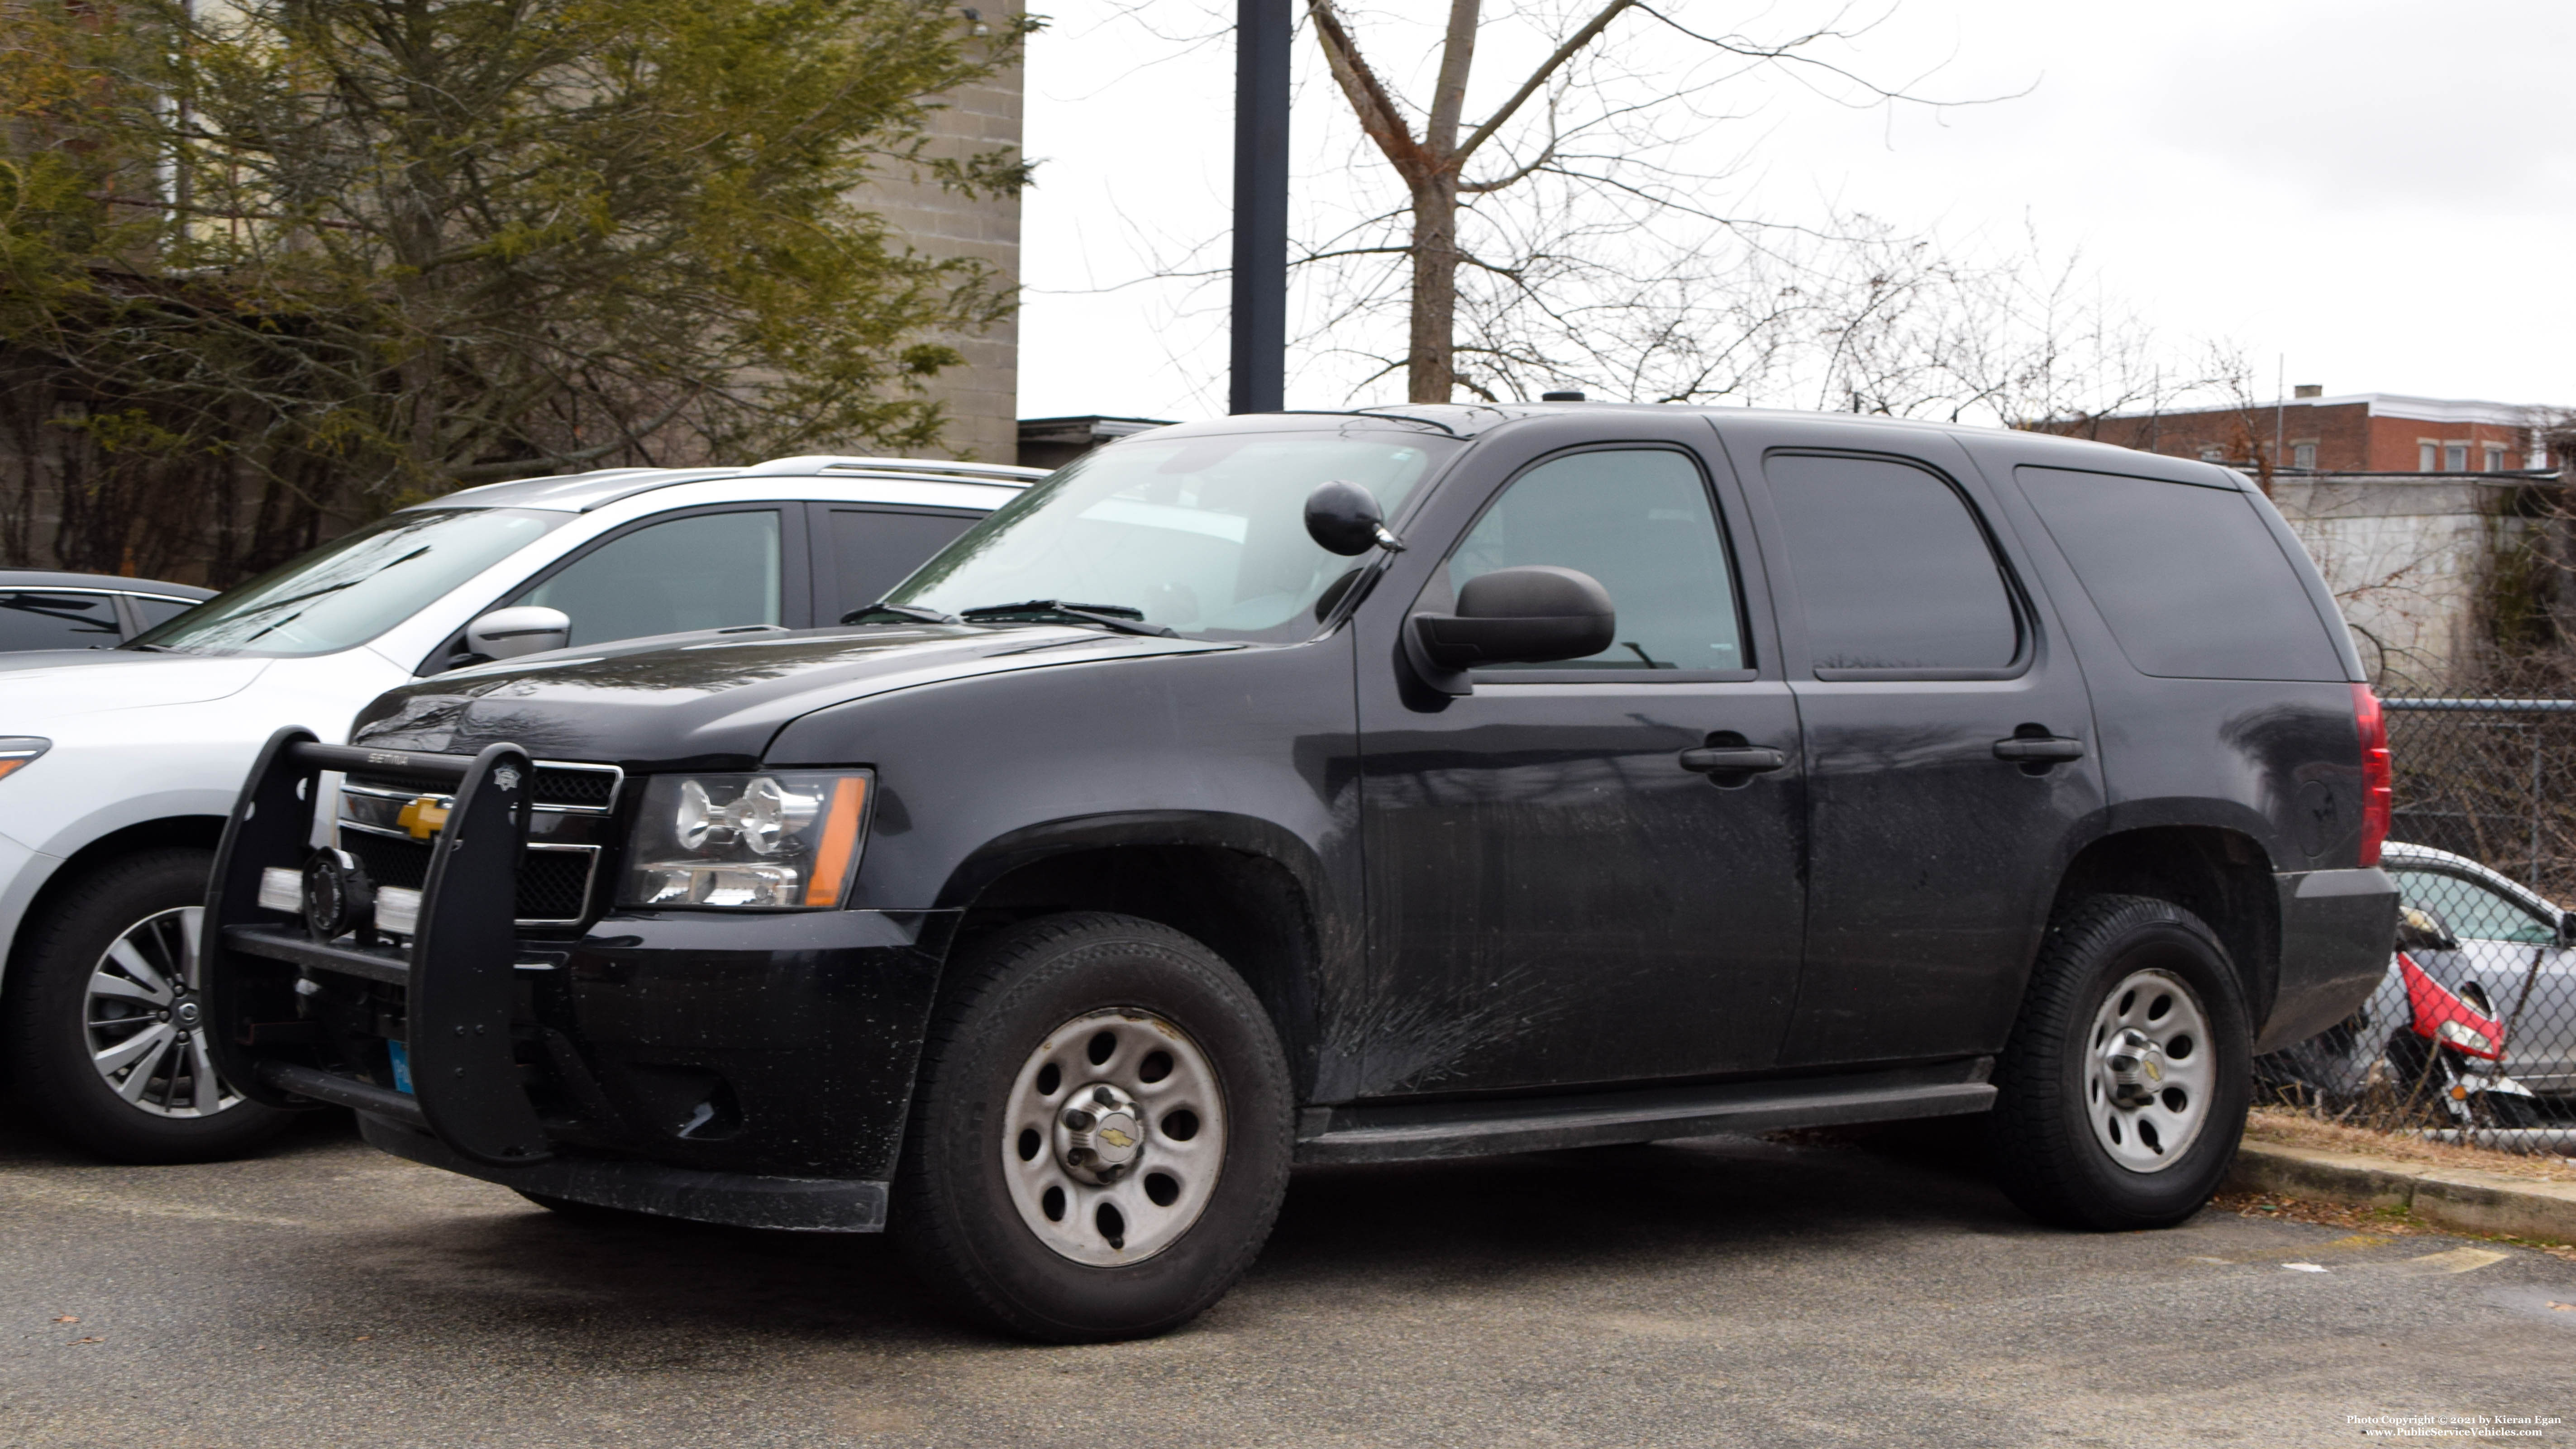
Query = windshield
x=1204 y=536
x=356 y=587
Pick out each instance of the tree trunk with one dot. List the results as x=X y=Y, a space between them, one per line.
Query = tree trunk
x=1430 y=366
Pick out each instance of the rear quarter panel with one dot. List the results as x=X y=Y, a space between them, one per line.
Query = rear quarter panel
x=2277 y=761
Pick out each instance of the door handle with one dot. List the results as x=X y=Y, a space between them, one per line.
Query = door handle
x=2039 y=749
x=1733 y=760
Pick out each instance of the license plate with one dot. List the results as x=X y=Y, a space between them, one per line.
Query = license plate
x=402 y=1066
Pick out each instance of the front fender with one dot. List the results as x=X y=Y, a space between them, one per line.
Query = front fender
x=1246 y=834
x=25 y=870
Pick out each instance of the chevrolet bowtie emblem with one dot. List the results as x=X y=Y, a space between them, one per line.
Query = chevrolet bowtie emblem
x=2153 y=1070
x=422 y=817
x=1116 y=1138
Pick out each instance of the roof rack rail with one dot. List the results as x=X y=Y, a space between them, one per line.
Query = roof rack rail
x=811 y=463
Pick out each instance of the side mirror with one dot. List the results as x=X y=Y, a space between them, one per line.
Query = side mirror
x=527 y=629
x=1535 y=614
x=2567 y=929
x=1345 y=519
x=2421 y=930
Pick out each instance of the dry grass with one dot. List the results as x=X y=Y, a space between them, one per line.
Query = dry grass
x=2292 y=1128
x=2394 y=1222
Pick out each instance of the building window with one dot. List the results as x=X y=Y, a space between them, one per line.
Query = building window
x=2495 y=457
x=2303 y=455
x=2424 y=457
x=2212 y=453
x=2455 y=457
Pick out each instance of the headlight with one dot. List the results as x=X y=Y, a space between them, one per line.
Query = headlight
x=18 y=751
x=779 y=839
x=2466 y=1037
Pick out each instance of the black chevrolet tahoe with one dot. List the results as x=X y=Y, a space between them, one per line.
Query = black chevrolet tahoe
x=1355 y=787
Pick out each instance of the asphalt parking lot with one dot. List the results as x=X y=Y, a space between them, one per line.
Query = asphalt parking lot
x=1710 y=1293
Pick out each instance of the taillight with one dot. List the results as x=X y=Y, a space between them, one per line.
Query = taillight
x=2447 y=1019
x=2378 y=796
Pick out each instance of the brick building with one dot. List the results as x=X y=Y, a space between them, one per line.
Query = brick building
x=2367 y=432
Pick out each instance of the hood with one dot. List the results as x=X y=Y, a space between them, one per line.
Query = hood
x=715 y=704
x=49 y=684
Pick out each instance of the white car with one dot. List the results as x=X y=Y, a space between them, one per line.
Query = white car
x=118 y=766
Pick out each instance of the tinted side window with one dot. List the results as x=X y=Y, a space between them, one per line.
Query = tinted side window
x=2189 y=579
x=1638 y=520
x=156 y=611
x=707 y=572
x=872 y=551
x=1889 y=567
x=32 y=619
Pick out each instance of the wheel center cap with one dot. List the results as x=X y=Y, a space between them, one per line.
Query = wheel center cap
x=1099 y=1133
x=2137 y=1067
x=184 y=1016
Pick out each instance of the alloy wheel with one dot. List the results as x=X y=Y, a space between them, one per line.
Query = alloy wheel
x=145 y=1020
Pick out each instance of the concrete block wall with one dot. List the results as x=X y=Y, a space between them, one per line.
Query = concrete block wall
x=982 y=396
x=2407 y=556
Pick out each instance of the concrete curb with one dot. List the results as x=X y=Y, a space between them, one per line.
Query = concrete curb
x=2467 y=1198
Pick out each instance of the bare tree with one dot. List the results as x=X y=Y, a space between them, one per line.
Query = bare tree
x=1584 y=228
x=1583 y=132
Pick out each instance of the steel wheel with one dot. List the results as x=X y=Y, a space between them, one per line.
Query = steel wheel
x=1114 y=1137
x=142 y=1011
x=2149 y=1072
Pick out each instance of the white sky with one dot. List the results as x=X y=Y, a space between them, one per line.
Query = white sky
x=2377 y=190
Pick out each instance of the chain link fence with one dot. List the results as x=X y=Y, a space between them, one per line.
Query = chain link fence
x=2472 y=1034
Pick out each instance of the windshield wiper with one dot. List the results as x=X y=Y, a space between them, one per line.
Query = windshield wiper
x=1108 y=616
x=907 y=612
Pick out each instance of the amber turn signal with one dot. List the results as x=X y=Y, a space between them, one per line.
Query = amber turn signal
x=18 y=751
x=840 y=842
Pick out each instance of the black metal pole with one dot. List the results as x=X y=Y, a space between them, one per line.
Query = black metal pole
x=1260 y=322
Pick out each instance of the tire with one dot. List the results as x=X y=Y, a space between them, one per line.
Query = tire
x=2086 y=1135
x=1024 y=1199
x=146 y=903
x=2506 y=1112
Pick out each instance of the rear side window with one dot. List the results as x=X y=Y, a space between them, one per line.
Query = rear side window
x=2189 y=578
x=873 y=551
x=1890 y=569
x=156 y=610
x=34 y=619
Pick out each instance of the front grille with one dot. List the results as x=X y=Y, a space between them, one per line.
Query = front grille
x=553 y=885
x=389 y=862
x=576 y=789
x=558 y=786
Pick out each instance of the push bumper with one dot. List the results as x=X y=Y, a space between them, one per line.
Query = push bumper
x=753 y=1069
x=2337 y=930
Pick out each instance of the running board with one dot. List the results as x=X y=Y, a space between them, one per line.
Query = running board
x=1399 y=1132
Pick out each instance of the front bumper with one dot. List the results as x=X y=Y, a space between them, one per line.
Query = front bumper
x=753 y=1068
x=2337 y=930
x=764 y=1044
x=742 y=1200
